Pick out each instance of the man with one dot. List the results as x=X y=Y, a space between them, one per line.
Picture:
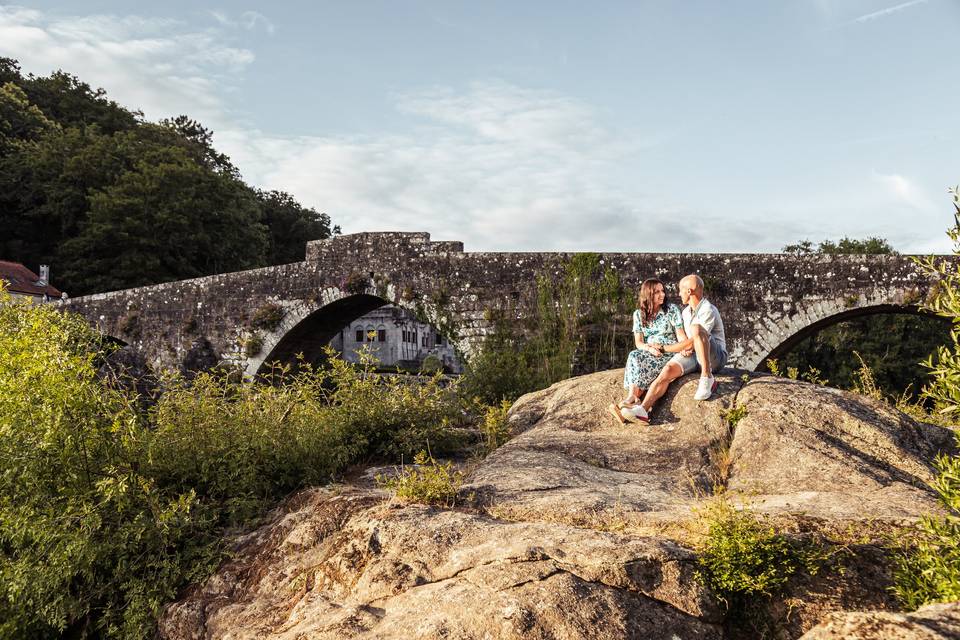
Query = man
x=705 y=348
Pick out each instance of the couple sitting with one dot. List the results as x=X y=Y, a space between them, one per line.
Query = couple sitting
x=669 y=345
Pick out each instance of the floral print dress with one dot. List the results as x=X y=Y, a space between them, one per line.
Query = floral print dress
x=643 y=367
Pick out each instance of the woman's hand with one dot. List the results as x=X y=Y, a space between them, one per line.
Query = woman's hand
x=655 y=348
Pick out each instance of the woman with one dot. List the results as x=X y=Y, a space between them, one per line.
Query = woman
x=654 y=325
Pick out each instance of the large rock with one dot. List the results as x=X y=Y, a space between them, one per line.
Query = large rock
x=418 y=572
x=800 y=449
x=933 y=622
x=582 y=527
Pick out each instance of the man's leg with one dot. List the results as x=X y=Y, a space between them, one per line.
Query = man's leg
x=701 y=346
x=667 y=375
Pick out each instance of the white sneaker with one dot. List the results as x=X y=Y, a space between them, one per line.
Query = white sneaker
x=635 y=413
x=705 y=388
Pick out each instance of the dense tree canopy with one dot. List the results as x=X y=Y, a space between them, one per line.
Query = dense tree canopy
x=113 y=201
x=892 y=345
x=868 y=246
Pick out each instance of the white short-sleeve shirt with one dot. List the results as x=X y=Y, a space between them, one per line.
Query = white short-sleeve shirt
x=707 y=316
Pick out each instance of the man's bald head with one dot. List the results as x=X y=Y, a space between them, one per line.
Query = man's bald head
x=694 y=283
x=691 y=286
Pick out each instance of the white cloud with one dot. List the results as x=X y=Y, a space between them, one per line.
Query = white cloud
x=160 y=66
x=498 y=166
x=905 y=191
x=495 y=165
x=248 y=20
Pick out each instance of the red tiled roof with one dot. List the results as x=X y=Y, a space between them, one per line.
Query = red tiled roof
x=19 y=279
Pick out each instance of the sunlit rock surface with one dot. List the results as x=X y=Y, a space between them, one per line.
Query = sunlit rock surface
x=580 y=527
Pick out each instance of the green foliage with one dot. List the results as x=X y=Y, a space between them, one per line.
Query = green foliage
x=929 y=566
x=734 y=415
x=868 y=246
x=428 y=482
x=576 y=317
x=291 y=226
x=891 y=345
x=253 y=345
x=85 y=536
x=107 y=510
x=812 y=374
x=743 y=556
x=112 y=201
x=494 y=427
x=268 y=316
x=431 y=365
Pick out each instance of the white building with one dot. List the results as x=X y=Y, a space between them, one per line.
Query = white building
x=21 y=282
x=397 y=339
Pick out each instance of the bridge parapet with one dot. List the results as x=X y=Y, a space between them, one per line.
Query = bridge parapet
x=415 y=243
x=766 y=300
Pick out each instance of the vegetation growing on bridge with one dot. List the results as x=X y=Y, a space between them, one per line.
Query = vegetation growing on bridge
x=580 y=324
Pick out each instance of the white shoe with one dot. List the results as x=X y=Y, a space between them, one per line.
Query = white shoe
x=635 y=413
x=705 y=388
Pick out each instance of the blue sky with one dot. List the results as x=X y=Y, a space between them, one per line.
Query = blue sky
x=635 y=126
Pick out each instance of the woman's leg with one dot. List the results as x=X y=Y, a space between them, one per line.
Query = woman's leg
x=631 y=378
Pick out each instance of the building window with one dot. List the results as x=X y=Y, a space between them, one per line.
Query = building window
x=359 y=335
x=439 y=340
x=382 y=335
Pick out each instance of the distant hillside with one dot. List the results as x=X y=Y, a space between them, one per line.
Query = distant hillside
x=110 y=200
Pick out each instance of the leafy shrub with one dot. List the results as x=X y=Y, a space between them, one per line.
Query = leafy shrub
x=85 y=536
x=500 y=371
x=427 y=482
x=431 y=364
x=734 y=415
x=929 y=564
x=494 y=427
x=268 y=317
x=743 y=555
x=253 y=345
x=106 y=510
x=928 y=567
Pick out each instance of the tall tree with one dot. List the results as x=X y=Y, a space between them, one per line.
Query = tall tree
x=166 y=219
x=113 y=201
x=291 y=226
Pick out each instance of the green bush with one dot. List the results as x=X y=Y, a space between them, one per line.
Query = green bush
x=89 y=544
x=494 y=427
x=428 y=482
x=743 y=555
x=929 y=565
x=268 y=317
x=106 y=511
x=253 y=345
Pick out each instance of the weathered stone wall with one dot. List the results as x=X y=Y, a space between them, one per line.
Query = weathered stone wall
x=767 y=300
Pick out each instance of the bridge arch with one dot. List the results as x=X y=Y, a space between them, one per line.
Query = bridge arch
x=777 y=333
x=308 y=326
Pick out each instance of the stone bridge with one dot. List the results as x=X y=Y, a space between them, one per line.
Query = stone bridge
x=250 y=318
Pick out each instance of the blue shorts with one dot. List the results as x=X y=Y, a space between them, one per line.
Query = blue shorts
x=718 y=358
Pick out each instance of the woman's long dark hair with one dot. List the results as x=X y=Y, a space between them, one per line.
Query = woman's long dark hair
x=645 y=301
